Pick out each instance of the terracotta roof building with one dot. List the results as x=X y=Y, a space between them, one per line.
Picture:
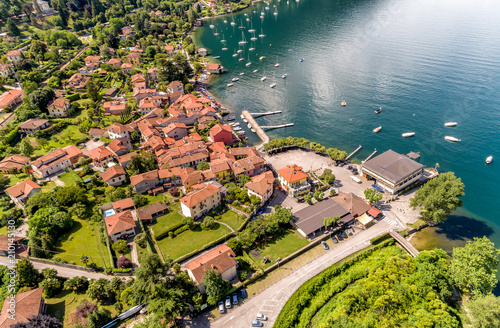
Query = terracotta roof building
x=120 y=225
x=34 y=124
x=11 y=98
x=123 y=205
x=28 y=304
x=294 y=180
x=262 y=186
x=150 y=212
x=101 y=156
x=22 y=191
x=352 y=203
x=57 y=160
x=14 y=161
x=198 y=202
x=114 y=176
x=59 y=107
x=221 y=133
x=117 y=130
x=145 y=181
x=221 y=258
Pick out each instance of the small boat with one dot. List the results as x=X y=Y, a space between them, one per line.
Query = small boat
x=241 y=59
x=236 y=123
x=255 y=70
x=235 y=55
x=284 y=75
x=216 y=33
x=261 y=58
x=216 y=57
x=248 y=64
x=251 y=49
x=235 y=79
x=212 y=26
x=245 y=120
x=223 y=39
x=253 y=130
x=242 y=74
x=253 y=38
x=489 y=159
x=242 y=133
x=242 y=42
x=237 y=128
x=301 y=60
x=276 y=65
x=262 y=35
x=239 y=51
x=230 y=85
x=343 y=104
x=451 y=139
x=377 y=130
x=408 y=134
x=248 y=19
x=233 y=23
x=249 y=125
x=267 y=8
x=242 y=116
x=378 y=110
x=231 y=118
x=225 y=21
x=272 y=85
x=224 y=49
x=263 y=78
x=450 y=124
x=275 y=13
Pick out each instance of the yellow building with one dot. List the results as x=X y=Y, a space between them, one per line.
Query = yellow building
x=294 y=180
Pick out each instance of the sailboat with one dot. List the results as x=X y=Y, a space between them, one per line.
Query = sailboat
x=216 y=33
x=275 y=13
x=243 y=41
x=233 y=23
x=241 y=25
x=235 y=54
x=253 y=38
x=249 y=62
x=212 y=26
x=273 y=84
x=223 y=39
x=224 y=49
x=285 y=74
x=251 y=30
x=261 y=35
x=225 y=21
x=264 y=77
x=277 y=64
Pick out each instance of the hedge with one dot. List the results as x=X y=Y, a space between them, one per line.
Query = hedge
x=124 y=270
x=164 y=234
x=323 y=188
x=10 y=136
x=109 y=248
x=73 y=97
x=379 y=239
x=181 y=230
x=215 y=242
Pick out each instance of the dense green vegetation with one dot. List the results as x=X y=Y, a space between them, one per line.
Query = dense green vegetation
x=287 y=142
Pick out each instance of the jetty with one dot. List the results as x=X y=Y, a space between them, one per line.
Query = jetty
x=266 y=113
x=354 y=152
x=404 y=243
x=277 y=126
x=371 y=155
x=262 y=135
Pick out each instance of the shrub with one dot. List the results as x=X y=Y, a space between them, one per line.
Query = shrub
x=379 y=239
x=181 y=230
x=171 y=234
x=73 y=97
x=207 y=223
x=174 y=191
x=140 y=240
x=124 y=262
x=120 y=246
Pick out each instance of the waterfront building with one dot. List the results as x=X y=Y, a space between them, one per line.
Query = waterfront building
x=294 y=180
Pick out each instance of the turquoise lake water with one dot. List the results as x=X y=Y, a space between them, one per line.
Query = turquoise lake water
x=425 y=62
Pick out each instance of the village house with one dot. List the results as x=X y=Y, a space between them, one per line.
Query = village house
x=4 y=69
x=221 y=133
x=214 y=68
x=101 y=156
x=92 y=60
x=97 y=133
x=176 y=130
x=57 y=160
x=78 y=81
x=125 y=31
x=145 y=181
x=136 y=78
x=262 y=186
x=123 y=205
x=34 y=124
x=114 y=107
x=11 y=98
x=134 y=58
x=27 y=305
x=202 y=51
x=115 y=63
x=125 y=159
x=294 y=180
x=175 y=86
x=88 y=69
x=14 y=56
x=114 y=176
x=198 y=202
x=111 y=92
x=120 y=146
x=22 y=191
x=221 y=258
x=117 y=130
x=221 y=169
x=144 y=93
x=169 y=49
x=13 y=161
x=392 y=172
x=249 y=166
x=59 y=107
x=356 y=205
x=120 y=225
x=150 y=212
x=153 y=74
x=170 y=177
x=126 y=67
x=191 y=178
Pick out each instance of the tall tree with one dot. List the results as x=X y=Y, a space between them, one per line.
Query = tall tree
x=26 y=148
x=92 y=91
x=26 y=274
x=372 y=195
x=485 y=312
x=215 y=287
x=12 y=28
x=473 y=267
x=439 y=197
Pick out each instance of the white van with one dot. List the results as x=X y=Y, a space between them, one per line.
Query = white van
x=355 y=179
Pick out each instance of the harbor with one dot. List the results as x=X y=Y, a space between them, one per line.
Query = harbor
x=258 y=130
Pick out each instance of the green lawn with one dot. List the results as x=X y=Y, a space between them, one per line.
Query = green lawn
x=190 y=241
x=15 y=179
x=82 y=103
x=66 y=302
x=83 y=239
x=281 y=246
x=233 y=219
x=68 y=136
x=166 y=222
x=48 y=187
x=69 y=178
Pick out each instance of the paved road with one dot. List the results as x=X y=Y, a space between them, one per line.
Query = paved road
x=61 y=271
x=271 y=300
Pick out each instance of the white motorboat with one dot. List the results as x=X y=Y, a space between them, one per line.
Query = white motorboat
x=452 y=139
x=224 y=49
x=261 y=35
x=343 y=104
x=275 y=13
x=245 y=120
x=249 y=125
x=235 y=79
x=272 y=85
x=408 y=134
x=489 y=159
x=242 y=73
x=237 y=128
x=216 y=33
x=248 y=64
x=241 y=59
x=225 y=21
x=236 y=123
x=212 y=26
x=251 y=49
x=235 y=55
x=243 y=41
x=276 y=65
x=255 y=70
x=450 y=124
x=230 y=85
x=267 y=8
x=253 y=38
x=239 y=51
x=377 y=130
x=263 y=78
x=253 y=130
x=216 y=57
x=233 y=23
x=242 y=116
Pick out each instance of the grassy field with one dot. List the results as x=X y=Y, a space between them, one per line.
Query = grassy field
x=83 y=239
x=48 y=187
x=189 y=241
x=166 y=222
x=233 y=219
x=283 y=245
x=69 y=178
x=66 y=302
x=68 y=136
x=16 y=178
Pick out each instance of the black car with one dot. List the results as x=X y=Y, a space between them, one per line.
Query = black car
x=349 y=167
x=344 y=235
x=339 y=236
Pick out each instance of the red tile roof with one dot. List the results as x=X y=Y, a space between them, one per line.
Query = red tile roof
x=123 y=204
x=292 y=173
x=112 y=172
x=197 y=196
x=151 y=175
x=22 y=188
x=7 y=97
x=261 y=183
x=119 y=222
x=221 y=258
x=27 y=304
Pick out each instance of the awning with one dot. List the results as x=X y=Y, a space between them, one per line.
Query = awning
x=374 y=212
x=374 y=186
x=364 y=219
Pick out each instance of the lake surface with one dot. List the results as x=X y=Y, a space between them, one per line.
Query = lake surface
x=425 y=62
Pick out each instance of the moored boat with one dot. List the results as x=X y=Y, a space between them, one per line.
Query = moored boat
x=230 y=85
x=408 y=134
x=272 y=85
x=253 y=130
x=235 y=79
x=255 y=70
x=231 y=118
x=489 y=159
x=263 y=78
x=343 y=104
x=261 y=58
x=301 y=60
x=242 y=73
x=452 y=139
x=450 y=124
x=242 y=116
x=249 y=125
x=378 y=110
x=276 y=65
x=245 y=120
x=377 y=129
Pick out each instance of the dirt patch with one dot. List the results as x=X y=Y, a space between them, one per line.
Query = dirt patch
x=255 y=254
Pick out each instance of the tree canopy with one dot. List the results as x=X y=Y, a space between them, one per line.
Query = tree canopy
x=215 y=287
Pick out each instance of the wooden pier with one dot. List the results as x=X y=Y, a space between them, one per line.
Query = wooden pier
x=354 y=152
x=371 y=155
x=277 y=126
x=262 y=135
x=266 y=113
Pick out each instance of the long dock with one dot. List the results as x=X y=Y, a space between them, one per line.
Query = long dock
x=266 y=113
x=277 y=126
x=371 y=155
x=354 y=152
x=262 y=135
x=403 y=242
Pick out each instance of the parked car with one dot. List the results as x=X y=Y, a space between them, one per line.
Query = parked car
x=335 y=241
x=228 y=302
x=257 y=323
x=344 y=235
x=325 y=245
x=349 y=167
x=261 y=317
x=235 y=299
x=349 y=232
x=221 y=307
x=339 y=236
x=243 y=293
